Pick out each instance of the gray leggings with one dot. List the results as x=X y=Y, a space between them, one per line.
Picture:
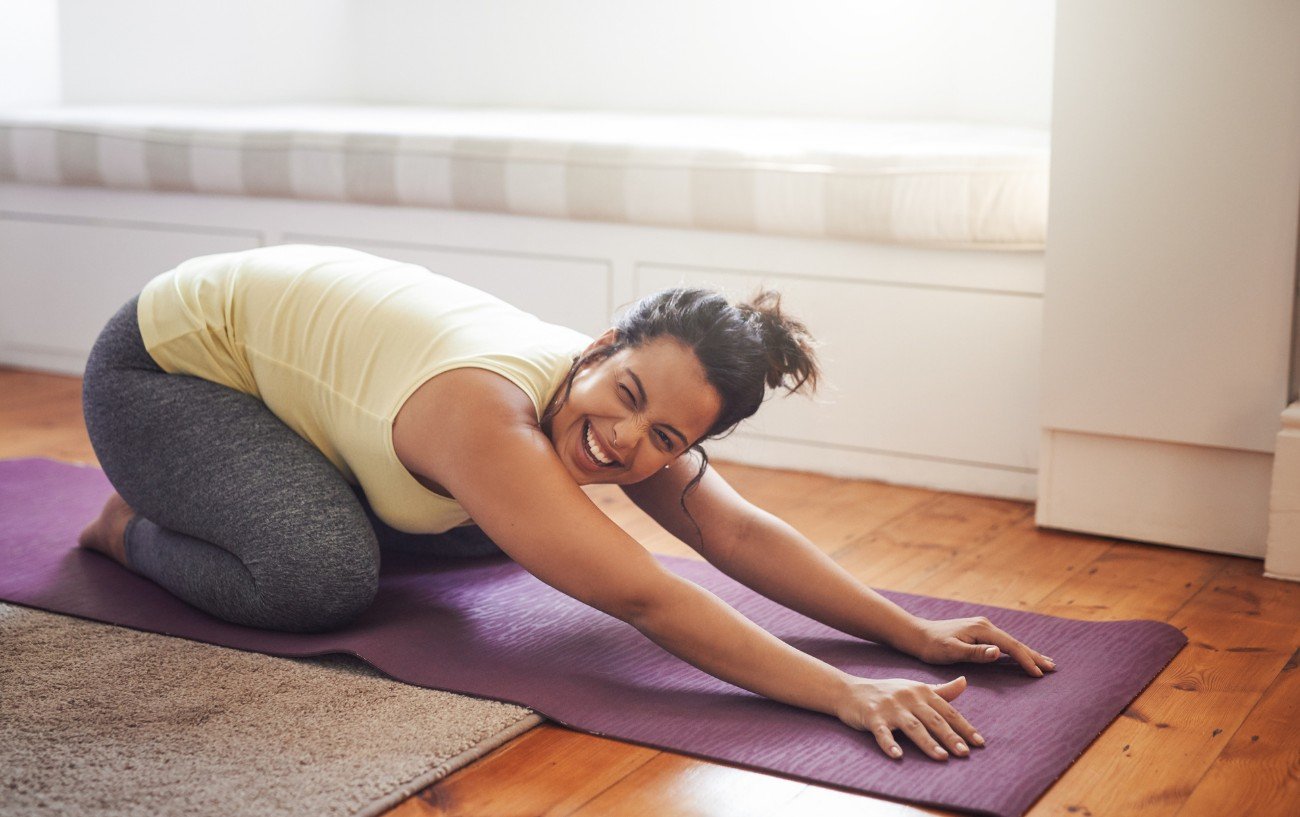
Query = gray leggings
x=235 y=512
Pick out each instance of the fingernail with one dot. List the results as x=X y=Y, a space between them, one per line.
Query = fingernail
x=961 y=747
x=991 y=651
x=978 y=738
x=895 y=751
x=1051 y=663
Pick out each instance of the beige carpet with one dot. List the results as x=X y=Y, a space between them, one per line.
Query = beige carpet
x=111 y=721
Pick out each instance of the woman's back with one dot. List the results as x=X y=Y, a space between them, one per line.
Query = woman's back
x=334 y=341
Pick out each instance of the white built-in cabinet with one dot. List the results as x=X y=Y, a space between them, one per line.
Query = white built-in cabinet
x=1170 y=268
x=931 y=356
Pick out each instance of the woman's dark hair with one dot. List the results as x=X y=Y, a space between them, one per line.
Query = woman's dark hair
x=745 y=349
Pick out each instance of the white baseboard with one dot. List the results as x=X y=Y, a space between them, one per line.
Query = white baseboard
x=59 y=361
x=1203 y=498
x=898 y=467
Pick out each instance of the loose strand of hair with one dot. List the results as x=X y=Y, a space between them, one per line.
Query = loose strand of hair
x=690 y=486
x=578 y=362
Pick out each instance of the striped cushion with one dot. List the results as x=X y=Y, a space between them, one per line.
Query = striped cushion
x=932 y=184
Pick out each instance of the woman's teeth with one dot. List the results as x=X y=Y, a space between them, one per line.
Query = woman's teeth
x=593 y=448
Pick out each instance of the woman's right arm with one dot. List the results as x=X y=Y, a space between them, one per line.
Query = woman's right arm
x=485 y=447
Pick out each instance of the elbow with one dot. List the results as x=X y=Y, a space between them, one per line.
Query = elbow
x=634 y=604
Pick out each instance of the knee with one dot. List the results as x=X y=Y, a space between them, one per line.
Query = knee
x=324 y=600
x=331 y=607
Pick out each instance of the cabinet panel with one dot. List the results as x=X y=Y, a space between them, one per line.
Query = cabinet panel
x=571 y=292
x=945 y=374
x=62 y=281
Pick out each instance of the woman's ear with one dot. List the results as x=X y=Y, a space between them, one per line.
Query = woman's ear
x=606 y=338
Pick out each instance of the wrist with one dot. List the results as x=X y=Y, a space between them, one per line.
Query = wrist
x=911 y=635
x=840 y=692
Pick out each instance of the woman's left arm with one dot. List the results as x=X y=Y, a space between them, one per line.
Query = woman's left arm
x=763 y=552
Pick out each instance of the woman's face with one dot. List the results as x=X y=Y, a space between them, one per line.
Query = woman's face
x=634 y=412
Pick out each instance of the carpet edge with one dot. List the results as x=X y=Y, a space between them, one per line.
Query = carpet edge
x=440 y=771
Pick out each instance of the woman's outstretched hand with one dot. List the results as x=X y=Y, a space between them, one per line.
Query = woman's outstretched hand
x=973 y=639
x=922 y=711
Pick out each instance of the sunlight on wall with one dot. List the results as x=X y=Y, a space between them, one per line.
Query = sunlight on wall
x=205 y=51
x=987 y=61
x=901 y=59
x=29 y=52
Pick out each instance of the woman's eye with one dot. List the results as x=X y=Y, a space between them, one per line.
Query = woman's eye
x=668 y=443
x=628 y=392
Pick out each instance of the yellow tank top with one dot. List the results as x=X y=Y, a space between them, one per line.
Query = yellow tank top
x=334 y=341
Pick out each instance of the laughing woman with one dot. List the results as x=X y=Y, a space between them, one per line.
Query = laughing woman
x=271 y=418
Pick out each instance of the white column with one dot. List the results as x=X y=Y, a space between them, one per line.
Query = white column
x=1283 y=558
x=1170 y=267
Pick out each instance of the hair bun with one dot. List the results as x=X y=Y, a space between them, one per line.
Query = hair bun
x=790 y=347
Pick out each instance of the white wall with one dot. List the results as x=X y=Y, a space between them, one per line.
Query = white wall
x=987 y=61
x=29 y=52
x=206 y=51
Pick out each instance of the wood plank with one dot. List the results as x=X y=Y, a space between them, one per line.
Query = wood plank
x=820 y=801
x=1149 y=761
x=675 y=784
x=1017 y=568
x=838 y=514
x=1258 y=771
x=1242 y=592
x=549 y=770
x=772 y=489
x=40 y=416
x=1134 y=580
x=902 y=553
x=957 y=519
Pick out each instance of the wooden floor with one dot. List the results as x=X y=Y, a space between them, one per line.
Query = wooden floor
x=1215 y=734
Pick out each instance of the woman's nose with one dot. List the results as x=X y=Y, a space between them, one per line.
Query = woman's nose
x=626 y=433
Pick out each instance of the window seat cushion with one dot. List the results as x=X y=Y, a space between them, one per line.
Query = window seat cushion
x=934 y=184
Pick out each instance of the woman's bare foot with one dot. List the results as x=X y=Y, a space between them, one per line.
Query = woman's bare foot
x=107 y=534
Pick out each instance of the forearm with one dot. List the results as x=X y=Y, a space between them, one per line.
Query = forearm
x=779 y=562
x=698 y=627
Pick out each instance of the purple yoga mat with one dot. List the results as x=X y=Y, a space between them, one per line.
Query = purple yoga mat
x=490 y=629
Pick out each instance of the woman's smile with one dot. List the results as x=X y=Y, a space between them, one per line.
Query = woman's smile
x=591 y=453
x=653 y=399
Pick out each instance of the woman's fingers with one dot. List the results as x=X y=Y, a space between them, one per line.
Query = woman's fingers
x=931 y=723
x=916 y=730
x=1019 y=652
x=885 y=738
x=933 y=733
x=921 y=711
x=1033 y=661
x=979 y=640
x=957 y=720
x=943 y=729
x=949 y=690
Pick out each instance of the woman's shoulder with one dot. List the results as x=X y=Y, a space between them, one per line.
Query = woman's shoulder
x=464 y=402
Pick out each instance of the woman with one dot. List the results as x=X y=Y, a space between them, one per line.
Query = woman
x=270 y=418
